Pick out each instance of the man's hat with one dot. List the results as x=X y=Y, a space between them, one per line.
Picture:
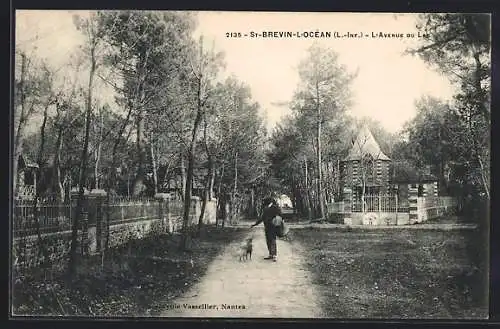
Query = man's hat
x=268 y=200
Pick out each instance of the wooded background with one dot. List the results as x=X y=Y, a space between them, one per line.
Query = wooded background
x=173 y=116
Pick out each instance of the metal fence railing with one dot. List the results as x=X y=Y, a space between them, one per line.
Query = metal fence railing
x=26 y=192
x=371 y=203
x=390 y=203
x=380 y=203
x=52 y=216
x=56 y=216
x=129 y=209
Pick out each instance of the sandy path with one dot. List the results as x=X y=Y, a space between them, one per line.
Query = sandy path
x=256 y=288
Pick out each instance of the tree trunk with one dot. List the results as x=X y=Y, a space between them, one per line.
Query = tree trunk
x=321 y=201
x=190 y=169
x=235 y=189
x=220 y=181
x=206 y=195
x=42 y=248
x=363 y=187
x=212 y=182
x=206 y=192
x=328 y=183
x=183 y=178
x=138 y=185
x=111 y=178
x=484 y=180
x=252 y=203
x=219 y=189
x=308 y=192
x=225 y=210
x=82 y=170
x=338 y=180
x=20 y=119
x=153 y=162
x=98 y=151
x=187 y=197
x=482 y=107
x=56 y=177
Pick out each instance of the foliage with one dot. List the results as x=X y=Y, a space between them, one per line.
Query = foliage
x=318 y=106
x=459 y=46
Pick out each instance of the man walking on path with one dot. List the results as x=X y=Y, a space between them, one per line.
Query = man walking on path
x=270 y=210
x=255 y=289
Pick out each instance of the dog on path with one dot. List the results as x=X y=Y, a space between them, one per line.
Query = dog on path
x=246 y=250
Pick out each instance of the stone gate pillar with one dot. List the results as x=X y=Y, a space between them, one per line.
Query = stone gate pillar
x=84 y=226
x=412 y=200
x=96 y=207
x=195 y=210
x=347 y=200
x=164 y=211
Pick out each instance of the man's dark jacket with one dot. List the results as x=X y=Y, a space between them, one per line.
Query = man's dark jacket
x=267 y=216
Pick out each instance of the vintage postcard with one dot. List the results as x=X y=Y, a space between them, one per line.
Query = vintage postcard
x=184 y=164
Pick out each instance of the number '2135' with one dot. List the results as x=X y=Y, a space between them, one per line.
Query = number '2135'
x=233 y=35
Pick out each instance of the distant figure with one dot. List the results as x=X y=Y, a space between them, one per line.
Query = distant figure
x=270 y=210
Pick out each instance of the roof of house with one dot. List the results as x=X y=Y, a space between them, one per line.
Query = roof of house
x=409 y=174
x=364 y=144
x=25 y=162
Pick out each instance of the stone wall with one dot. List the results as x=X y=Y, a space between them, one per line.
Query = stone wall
x=93 y=231
x=377 y=218
x=432 y=207
x=26 y=250
x=121 y=233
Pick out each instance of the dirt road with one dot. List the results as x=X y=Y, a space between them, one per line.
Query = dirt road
x=255 y=288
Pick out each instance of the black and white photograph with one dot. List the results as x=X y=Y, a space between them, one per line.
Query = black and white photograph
x=224 y=164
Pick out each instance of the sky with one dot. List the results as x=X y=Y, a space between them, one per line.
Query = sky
x=385 y=89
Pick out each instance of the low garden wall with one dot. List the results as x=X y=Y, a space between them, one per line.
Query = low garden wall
x=432 y=208
x=26 y=251
x=378 y=218
x=130 y=219
x=389 y=210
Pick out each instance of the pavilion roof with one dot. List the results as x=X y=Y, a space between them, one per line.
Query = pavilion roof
x=365 y=144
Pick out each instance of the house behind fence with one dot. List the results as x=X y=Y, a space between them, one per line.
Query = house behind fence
x=390 y=209
x=127 y=217
x=371 y=197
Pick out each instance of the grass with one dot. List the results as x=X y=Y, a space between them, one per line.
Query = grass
x=137 y=279
x=398 y=273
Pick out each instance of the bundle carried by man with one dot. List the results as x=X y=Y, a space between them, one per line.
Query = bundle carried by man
x=280 y=227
